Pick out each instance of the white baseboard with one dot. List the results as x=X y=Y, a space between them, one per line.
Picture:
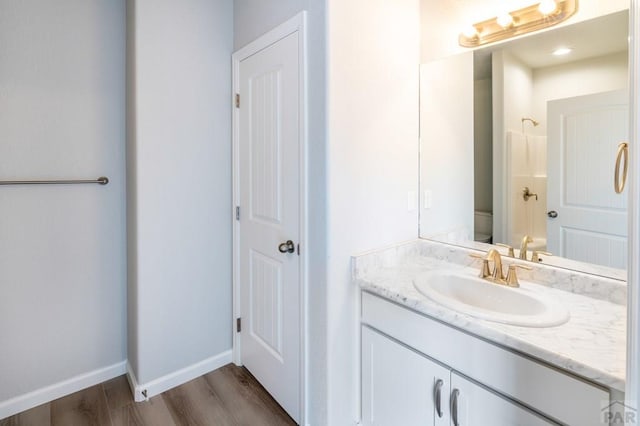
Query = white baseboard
x=144 y=391
x=136 y=389
x=58 y=390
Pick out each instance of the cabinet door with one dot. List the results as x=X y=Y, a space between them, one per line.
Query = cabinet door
x=399 y=385
x=473 y=405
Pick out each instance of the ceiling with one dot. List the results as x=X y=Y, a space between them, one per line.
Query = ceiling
x=596 y=37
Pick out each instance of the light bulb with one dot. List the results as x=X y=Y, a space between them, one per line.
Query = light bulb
x=505 y=20
x=546 y=7
x=470 y=32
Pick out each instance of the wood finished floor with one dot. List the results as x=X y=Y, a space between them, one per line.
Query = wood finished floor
x=227 y=396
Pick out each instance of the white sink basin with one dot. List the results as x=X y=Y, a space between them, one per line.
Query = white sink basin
x=480 y=298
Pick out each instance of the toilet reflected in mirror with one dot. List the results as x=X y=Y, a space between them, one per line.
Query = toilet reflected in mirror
x=482 y=226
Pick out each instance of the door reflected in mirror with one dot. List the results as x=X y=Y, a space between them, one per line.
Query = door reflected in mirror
x=549 y=111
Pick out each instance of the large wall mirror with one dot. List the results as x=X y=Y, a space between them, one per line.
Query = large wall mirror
x=544 y=126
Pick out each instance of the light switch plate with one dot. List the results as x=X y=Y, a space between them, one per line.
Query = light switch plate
x=428 y=198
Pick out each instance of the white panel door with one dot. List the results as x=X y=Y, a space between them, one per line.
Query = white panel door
x=269 y=193
x=400 y=386
x=583 y=136
x=473 y=405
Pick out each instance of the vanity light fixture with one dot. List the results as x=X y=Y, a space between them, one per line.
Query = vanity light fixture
x=532 y=18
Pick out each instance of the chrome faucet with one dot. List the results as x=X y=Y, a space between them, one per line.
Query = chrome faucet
x=523 y=247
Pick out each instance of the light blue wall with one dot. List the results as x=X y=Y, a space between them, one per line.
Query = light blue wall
x=179 y=175
x=62 y=248
x=252 y=18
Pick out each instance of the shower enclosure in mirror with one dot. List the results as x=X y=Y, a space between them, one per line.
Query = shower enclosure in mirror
x=544 y=125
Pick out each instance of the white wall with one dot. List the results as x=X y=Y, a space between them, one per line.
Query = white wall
x=179 y=172
x=516 y=91
x=594 y=75
x=62 y=248
x=253 y=18
x=446 y=146
x=373 y=49
x=442 y=21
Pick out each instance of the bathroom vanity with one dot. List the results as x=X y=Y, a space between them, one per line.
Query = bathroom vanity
x=428 y=362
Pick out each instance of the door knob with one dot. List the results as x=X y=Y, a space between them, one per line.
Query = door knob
x=552 y=214
x=287 y=247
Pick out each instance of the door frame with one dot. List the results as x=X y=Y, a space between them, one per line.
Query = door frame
x=297 y=23
x=632 y=391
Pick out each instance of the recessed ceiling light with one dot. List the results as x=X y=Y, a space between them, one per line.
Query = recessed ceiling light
x=562 y=51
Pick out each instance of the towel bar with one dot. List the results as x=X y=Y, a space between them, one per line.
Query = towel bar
x=101 y=181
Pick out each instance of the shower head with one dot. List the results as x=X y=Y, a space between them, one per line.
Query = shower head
x=534 y=122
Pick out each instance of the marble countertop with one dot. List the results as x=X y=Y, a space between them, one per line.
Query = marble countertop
x=592 y=344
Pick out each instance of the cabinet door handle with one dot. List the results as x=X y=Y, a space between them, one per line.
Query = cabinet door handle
x=437 y=395
x=454 y=406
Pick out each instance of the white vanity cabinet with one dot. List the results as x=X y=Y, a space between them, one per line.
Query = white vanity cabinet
x=402 y=387
x=473 y=404
x=405 y=353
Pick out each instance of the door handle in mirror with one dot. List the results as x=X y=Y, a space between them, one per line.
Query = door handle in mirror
x=437 y=396
x=552 y=214
x=623 y=154
x=287 y=247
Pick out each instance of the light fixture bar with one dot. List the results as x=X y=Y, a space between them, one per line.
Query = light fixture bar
x=525 y=20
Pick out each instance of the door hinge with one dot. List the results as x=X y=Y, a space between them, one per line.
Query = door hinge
x=237 y=212
x=238 y=325
x=237 y=100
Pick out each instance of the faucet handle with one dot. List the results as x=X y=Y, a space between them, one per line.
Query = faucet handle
x=484 y=272
x=523 y=246
x=512 y=277
x=535 y=257
x=507 y=246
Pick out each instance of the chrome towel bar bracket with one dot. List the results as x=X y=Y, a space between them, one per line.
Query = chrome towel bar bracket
x=100 y=181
